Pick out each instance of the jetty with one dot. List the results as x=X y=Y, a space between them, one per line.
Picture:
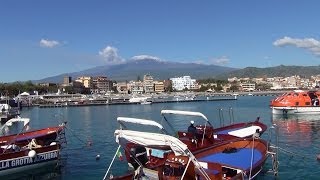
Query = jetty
x=76 y=100
x=125 y=101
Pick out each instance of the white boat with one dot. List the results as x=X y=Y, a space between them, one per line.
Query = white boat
x=4 y=127
x=138 y=99
x=7 y=112
x=145 y=102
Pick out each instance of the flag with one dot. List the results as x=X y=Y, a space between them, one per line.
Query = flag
x=119 y=155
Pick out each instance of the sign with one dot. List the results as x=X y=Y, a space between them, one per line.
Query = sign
x=26 y=160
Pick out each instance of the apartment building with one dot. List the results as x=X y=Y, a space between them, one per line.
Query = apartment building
x=136 y=87
x=148 y=83
x=158 y=86
x=101 y=84
x=181 y=83
x=85 y=80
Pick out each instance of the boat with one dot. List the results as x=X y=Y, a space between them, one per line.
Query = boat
x=206 y=135
x=8 y=109
x=138 y=99
x=4 y=129
x=296 y=102
x=30 y=149
x=145 y=102
x=160 y=156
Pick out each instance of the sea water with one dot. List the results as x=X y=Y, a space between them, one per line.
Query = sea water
x=90 y=134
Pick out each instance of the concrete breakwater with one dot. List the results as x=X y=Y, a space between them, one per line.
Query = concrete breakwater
x=117 y=102
x=117 y=99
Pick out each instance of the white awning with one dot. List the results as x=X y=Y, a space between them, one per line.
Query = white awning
x=187 y=113
x=13 y=120
x=152 y=139
x=139 y=121
x=24 y=94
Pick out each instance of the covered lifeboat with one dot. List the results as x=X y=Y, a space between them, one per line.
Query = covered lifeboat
x=297 y=101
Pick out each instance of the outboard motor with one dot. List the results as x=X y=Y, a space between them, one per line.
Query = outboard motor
x=138 y=153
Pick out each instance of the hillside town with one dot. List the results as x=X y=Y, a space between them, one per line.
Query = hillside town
x=147 y=85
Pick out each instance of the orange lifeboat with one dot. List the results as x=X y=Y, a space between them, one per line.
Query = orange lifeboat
x=297 y=101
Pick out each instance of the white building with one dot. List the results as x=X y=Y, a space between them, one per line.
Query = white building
x=148 y=83
x=180 y=83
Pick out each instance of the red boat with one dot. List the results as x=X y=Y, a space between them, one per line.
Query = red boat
x=297 y=102
x=42 y=136
x=160 y=156
x=206 y=135
x=31 y=149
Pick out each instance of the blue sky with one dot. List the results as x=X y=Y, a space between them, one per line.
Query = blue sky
x=40 y=38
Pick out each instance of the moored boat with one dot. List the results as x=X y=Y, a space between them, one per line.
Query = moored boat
x=296 y=102
x=206 y=135
x=31 y=149
x=8 y=109
x=160 y=156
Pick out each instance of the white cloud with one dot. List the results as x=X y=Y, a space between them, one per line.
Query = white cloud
x=110 y=55
x=48 y=43
x=309 y=44
x=223 y=60
x=143 y=57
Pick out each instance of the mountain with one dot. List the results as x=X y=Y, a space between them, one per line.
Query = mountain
x=277 y=71
x=160 y=70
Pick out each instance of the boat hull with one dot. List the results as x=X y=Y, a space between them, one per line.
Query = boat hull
x=43 y=135
x=16 y=162
x=296 y=110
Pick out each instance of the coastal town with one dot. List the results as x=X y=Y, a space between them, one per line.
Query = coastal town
x=100 y=90
x=147 y=85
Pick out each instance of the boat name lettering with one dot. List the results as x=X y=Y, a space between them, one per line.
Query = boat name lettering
x=27 y=160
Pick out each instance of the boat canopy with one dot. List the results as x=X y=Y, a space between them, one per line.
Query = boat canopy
x=123 y=120
x=152 y=140
x=13 y=120
x=186 y=113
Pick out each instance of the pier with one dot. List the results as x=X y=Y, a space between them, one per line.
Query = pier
x=124 y=99
x=126 y=102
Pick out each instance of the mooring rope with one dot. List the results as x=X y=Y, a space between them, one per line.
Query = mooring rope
x=105 y=176
x=252 y=150
x=290 y=152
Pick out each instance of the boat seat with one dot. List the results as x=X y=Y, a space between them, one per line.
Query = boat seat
x=245 y=132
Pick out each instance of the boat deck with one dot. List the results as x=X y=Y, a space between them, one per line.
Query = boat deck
x=240 y=159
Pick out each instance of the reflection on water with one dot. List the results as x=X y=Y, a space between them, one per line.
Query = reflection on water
x=299 y=136
x=298 y=129
x=45 y=172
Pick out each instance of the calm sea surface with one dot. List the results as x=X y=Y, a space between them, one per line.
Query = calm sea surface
x=90 y=133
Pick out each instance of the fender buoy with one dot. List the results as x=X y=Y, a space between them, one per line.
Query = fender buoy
x=32 y=153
